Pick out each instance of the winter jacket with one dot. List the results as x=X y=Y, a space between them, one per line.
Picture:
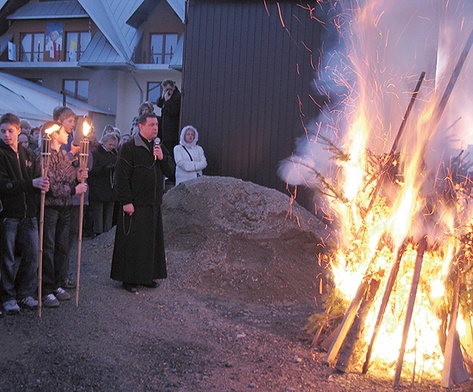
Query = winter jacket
x=170 y=114
x=62 y=179
x=187 y=168
x=19 y=197
x=102 y=176
x=139 y=176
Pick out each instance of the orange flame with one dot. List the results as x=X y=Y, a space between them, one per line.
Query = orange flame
x=86 y=128
x=410 y=204
x=53 y=128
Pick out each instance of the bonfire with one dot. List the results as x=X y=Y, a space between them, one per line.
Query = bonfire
x=388 y=162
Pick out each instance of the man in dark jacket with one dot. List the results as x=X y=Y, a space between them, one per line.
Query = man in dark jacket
x=20 y=182
x=138 y=254
x=170 y=104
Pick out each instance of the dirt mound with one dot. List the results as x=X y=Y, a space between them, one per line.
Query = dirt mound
x=240 y=240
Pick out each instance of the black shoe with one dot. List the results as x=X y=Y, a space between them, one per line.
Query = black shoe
x=68 y=284
x=130 y=287
x=152 y=285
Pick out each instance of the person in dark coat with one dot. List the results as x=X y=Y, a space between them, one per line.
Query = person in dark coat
x=20 y=184
x=170 y=104
x=102 y=182
x=138 y=254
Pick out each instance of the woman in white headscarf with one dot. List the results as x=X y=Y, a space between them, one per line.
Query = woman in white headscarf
x=189 y=157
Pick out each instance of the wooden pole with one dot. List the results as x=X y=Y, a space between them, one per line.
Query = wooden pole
x=321 y=327
x=83 y=161
x=454 y=370
x=406 y=115
x=40 y=253
x=346 y=322
x=410 y=307
x=453 y=79
x=352 y=310
x=395 y=143
x=447 y=365
x=79 y=245
x=384 y=303
x=44 y=161
x=357 y=327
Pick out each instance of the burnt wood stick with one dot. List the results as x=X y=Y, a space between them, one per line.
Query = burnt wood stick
x=384 y=303
x=321 y=327
x=406 y=115
x=453 y=80
x=459 y=372
x=357 y=327
x=410 y=307
x=352 y=309
x=469 y=335
x=346 y=323
x=396 y=142
x=453 y=359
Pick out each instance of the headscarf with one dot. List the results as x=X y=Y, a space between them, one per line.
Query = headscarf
x=183 y=132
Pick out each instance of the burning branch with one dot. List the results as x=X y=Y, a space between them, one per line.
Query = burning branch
x=410 y=307
x=384 y=303
x=389 y=162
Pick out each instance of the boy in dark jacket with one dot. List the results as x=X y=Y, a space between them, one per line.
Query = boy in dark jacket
x=20 y=182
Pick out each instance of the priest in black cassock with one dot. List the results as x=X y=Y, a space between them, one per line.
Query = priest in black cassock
x=138 y=254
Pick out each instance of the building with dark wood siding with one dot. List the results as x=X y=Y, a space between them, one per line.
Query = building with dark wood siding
x=248 y=83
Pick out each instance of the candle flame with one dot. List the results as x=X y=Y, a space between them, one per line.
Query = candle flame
x=86 y=128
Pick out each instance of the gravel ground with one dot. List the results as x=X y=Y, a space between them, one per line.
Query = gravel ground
x=222 y=321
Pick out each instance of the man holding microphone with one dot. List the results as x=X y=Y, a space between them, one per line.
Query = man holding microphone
x=138 y=255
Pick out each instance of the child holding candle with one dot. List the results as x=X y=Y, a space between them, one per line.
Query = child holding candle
x=65 y=181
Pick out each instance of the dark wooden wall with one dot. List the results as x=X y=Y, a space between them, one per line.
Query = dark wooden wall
x=247 y=83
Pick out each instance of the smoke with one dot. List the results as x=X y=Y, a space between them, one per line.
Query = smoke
x=373 y=53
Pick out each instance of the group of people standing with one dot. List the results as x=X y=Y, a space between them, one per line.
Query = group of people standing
x=21 y=182
x=125 y=182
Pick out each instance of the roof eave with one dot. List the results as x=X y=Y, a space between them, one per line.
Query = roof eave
x=49 y=17
x=117 y=66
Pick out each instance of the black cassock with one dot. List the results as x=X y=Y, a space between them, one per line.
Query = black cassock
x=138 y=254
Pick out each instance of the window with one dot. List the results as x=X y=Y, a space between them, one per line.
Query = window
x=153 y=91
x=32 y=47
x=76 y=88
x=162 y=48
x=76 y=44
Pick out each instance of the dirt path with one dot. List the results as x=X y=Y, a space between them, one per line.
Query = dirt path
x=164 y=339
x=222 y=321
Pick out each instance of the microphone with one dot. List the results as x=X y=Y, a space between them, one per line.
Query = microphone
x=157 y=140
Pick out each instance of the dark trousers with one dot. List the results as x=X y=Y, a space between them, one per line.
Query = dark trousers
x=19 y=276
x=103 y=215
x=55 y=247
